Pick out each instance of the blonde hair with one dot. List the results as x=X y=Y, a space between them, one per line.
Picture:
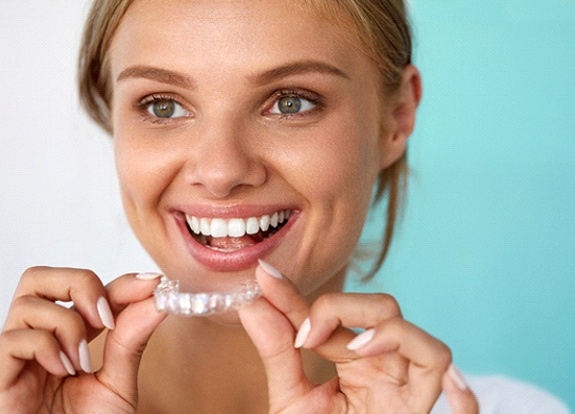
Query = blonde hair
x=381 y=27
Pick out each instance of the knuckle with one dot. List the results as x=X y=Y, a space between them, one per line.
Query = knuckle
x=87 y=277
x=444 y=355
x=19 y=303
x=328 y=302
x=388 y=302
x=13 y=338
x=32 y=273
x=5 y=339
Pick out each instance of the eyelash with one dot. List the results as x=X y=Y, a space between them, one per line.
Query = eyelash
x=311 y=97
x=143 y=105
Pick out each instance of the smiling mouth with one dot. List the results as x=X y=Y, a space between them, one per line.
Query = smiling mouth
x=230 y=235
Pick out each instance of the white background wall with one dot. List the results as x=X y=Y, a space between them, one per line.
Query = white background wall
x=59 y=202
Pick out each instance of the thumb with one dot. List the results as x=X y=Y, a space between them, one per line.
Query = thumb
x=135 y=324
x=273 y=336
x=460 y=397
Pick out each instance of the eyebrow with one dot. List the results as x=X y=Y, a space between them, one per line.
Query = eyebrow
x=157 y=74
x=268 y=76
x=297 y=68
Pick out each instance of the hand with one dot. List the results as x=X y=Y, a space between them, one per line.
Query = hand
x=392 y=367
x=43 y=344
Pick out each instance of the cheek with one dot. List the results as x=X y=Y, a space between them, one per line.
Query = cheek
x=143 y=170
x=343 y=166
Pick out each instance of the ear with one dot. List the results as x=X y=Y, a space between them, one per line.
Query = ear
x=399 y=118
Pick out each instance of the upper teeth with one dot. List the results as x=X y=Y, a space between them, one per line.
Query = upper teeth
x=235 y=227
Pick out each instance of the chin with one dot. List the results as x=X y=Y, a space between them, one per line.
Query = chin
x=230 y=319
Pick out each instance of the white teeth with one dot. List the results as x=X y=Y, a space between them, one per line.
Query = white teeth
x=204 y=227
x=195 y=225
x=218 y=228
x=265 y=223
x=235 y=227
x=274 y=220
x=252 y=225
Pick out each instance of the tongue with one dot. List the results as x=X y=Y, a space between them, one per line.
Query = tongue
x=230 y=243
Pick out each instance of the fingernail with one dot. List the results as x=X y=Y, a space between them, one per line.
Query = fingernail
x=85 y=360
x=270 y=270
x=105 y=313
x=67 y=364
x=456 y=376
x=361 y=340
x=148 y=275
x=303 y=333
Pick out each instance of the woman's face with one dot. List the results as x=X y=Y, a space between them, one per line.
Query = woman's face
x=229 y=115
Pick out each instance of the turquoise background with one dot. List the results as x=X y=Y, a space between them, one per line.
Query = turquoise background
x=484 y=257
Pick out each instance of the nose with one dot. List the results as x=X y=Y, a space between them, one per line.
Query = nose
x=224 y=159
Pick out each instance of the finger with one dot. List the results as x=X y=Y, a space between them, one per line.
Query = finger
x=273 y=335
x=350 y=310
x=136 y=321
x=126 y=289
x=428 y=357
x=284 y=296
x=333 y=310
x=459 y=395
x=17 y=347
x=130 y=288
x=282 y=293
x=83 y=287
x=65 y=325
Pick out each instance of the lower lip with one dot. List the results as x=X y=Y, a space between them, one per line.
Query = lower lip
x=231 y=261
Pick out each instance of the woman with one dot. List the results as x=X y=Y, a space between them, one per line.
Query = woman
x=247 y=134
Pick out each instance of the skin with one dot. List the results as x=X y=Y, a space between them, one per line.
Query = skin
x=230 y=153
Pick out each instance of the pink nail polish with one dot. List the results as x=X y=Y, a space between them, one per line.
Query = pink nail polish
x=148 y=275
x=457 y=377
x=67 y=364
x=302 y=333
x=270 y=270
x=105 y=313
x=361 y=340
x=85 y=359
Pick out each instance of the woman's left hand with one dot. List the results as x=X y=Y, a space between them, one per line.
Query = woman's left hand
x=392 y=367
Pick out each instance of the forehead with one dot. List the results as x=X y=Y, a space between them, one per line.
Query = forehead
x=229 y=34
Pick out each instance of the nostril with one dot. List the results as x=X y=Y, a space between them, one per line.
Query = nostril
x=224 y=159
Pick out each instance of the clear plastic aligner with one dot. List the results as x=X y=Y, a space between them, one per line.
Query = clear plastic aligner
x=169 y=299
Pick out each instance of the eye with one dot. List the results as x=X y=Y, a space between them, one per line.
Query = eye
x=292 y=104
x=166 y=108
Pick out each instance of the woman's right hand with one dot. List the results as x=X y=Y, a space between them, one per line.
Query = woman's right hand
x=43 y=344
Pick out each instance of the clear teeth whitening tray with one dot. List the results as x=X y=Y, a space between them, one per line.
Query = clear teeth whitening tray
x=169 y=299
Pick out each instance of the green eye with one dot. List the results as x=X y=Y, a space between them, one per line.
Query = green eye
x=292 y=104
x=166 y=108
x=289 y=105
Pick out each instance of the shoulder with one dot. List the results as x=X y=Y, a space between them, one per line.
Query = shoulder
x=498 y=394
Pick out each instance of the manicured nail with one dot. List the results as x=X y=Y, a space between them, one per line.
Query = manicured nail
x=456 y=376
x=85 y=360
x=270 y=270
x=303 y=333
x=361 y=340
x=67 y=364
x=148 y=275
x=105 y=313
